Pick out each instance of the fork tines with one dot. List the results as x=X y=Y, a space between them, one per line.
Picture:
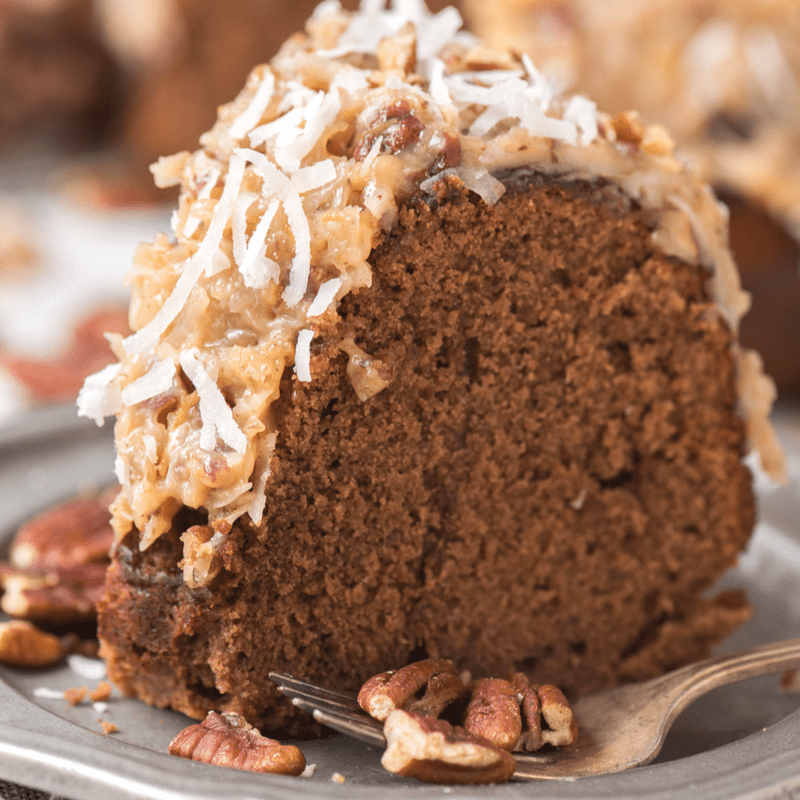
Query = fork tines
x=335 y=709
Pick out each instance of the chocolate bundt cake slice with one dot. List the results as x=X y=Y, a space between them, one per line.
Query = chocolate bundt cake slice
x=434 y=364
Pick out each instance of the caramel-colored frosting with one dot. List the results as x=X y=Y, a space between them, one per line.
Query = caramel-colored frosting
x=278 y=214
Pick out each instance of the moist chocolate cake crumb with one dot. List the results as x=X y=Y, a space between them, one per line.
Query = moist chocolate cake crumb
x=541 y=350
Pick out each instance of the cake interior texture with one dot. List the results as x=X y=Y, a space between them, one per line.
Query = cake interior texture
x=551 y=480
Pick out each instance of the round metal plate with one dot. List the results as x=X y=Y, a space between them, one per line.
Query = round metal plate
x=741 y=741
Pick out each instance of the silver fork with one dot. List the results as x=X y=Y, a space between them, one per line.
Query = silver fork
x=618 y=729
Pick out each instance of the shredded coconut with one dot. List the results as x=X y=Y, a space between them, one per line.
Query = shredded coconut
x=222 y=214
x=99 y=397
x=216 y=414
x=314 y=177
x=209 y=182
x=277 y=184
x=48 y=694
x=256 y=508
x=583 y=113
x=251 y=116
x=93 y=669
x=325 y=295
x=239 y=225
x=147 y=337
x=302 y=356
x=157 y=380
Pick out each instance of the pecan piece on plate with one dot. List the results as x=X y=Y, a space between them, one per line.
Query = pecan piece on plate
x=24 y=645
x=403 y=688
x=55 y=598
x=60 y=378
x=227 y=740
x=434 y=751
x=546 y=716
x=73 y=533
x=494 y=713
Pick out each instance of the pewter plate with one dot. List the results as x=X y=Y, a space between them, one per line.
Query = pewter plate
x=738 y=742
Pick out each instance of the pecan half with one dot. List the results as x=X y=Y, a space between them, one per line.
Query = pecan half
x=449 y=156
x=73 y=533
x=493 y=713
x=55 y=598
x=403 y=688
x=61 y=378
x=227 y=740
x=434 y=751
x=24 y=645
x=395 y=127
x=546 y=716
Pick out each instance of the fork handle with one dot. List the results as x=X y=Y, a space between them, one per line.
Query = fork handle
x=696 y=679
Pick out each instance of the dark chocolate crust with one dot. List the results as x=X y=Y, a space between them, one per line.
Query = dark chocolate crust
x=551 y=480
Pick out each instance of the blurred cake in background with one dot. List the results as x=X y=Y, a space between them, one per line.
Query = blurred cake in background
x=54 y=70
x=724 y=77
x=148 y=74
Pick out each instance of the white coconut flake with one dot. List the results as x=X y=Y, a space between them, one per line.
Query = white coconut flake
x=220 y=498
x=156 y=381
x=302 y=356
x=488 y=119
x=325 y=295
x=277 y=184
x=437 y=86
x=319 y=113
x=211 y=178
x=48 y=694
x=239 y=225
x=326 y=8
x=147 y=338
x=583 y=113
x=99 y=397
x=468 y=93
x=150 y=447
x=374 y=152
x=263 y=471
x=260 y=273
x=215 y=413
x=437 y=31
x=251 y=116
x=256 y=269
x=202 y=261
x=535 y=121
x=120 y=470
x=222 y=213
x=477 y=179
x=309 y=178
x=541 y=86
x=350 y=79
x=93 y=669
x=291 y=119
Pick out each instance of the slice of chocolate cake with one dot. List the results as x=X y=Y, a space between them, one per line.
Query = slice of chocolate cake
x=433 y=364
